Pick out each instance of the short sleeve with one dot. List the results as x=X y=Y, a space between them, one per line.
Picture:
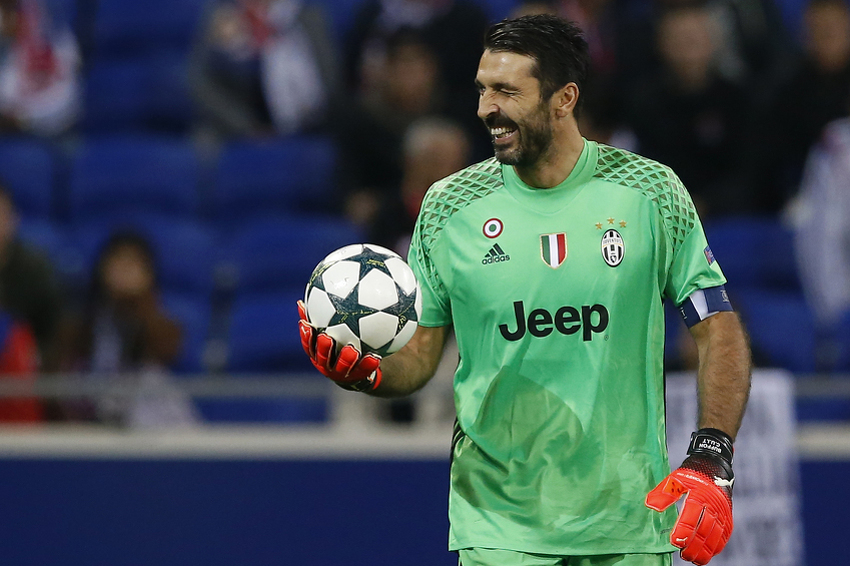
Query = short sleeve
x=436 y=305
x=693 y=265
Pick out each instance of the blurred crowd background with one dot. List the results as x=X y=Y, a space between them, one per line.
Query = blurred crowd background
x=172 y=170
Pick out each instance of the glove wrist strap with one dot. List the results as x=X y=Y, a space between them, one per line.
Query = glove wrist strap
x=365 y=385
x=713 y=442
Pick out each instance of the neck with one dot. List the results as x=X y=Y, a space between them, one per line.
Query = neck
x=554 y=166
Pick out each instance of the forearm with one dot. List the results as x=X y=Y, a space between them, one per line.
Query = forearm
x=162 y=336
x=409 y=369
x=163 y=339
x=724 y=372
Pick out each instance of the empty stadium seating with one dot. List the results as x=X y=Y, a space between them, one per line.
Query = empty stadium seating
x=146 y=93
x=28 y=170
x=277 y=253
x=129 y=27
x=781 y=328
x=133 y=174
x=283 y=176
x=263 y=334
x=754 y=252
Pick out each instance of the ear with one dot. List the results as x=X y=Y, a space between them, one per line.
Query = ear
x=565 y=99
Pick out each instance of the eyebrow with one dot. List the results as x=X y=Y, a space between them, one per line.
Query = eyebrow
x=497 y=86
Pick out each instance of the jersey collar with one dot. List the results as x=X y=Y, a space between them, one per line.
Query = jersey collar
x=554 y=198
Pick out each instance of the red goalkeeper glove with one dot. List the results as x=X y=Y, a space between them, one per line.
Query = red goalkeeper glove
x=705 y=479
x=348 y=369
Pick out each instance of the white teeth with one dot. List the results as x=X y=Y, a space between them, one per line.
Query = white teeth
x=500 y=132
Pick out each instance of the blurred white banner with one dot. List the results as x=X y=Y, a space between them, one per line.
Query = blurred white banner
x=768 y=530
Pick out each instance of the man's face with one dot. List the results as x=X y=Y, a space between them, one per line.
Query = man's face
x=519 y=123
x=686 y=41
x=828 y=35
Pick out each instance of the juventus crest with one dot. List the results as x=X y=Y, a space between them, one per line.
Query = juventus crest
x=613 y=248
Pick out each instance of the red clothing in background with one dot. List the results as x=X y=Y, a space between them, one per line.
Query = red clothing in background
x=18 y=360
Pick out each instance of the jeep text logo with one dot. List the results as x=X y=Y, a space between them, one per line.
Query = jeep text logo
x=567 y=320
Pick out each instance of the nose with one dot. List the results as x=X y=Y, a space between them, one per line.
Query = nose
x=486 y=107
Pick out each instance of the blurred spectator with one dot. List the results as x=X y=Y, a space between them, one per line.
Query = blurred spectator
x=18 y=361
x=599 y=21
x=603 y=21
x=815 y=92
x=28 y=288
x=532 y=8
x=690 y=118
x=747 y=43
x=819 y=215
x=452 y=28
x=433 y=148
x=123 y=334
x=263 y=67
x=371 y=132
x=39 y=70
x=751 y=42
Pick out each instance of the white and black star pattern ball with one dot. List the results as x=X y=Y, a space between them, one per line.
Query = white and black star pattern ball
x=365 y=295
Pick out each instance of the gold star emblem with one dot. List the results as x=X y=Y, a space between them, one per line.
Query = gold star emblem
x=622 y=223
x=599 y=226
x=610 y=221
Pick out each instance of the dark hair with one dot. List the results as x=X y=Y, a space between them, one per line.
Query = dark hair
x=557 y=47
x=124 y=238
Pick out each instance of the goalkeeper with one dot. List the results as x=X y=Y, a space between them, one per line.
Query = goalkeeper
x=551 y=261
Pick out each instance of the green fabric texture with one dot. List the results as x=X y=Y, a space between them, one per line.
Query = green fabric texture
x=556 y=297
x=493 y=557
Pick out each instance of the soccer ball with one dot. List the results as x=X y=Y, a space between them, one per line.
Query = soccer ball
x=365 y=295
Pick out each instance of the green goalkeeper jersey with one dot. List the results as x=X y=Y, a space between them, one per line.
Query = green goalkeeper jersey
x=555 y=296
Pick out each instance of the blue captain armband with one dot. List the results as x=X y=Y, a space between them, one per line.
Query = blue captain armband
x=704 y=303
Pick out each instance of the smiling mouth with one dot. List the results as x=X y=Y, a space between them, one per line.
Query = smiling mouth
x=499 y=134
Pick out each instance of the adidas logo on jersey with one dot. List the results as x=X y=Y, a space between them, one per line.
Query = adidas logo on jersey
x=495 y=255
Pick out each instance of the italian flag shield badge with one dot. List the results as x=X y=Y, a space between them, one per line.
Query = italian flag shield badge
x=553 y=249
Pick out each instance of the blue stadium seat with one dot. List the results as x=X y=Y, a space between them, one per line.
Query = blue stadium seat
x=55 y=241
x=117 y=175
x=340 y=15
x=146 y=93
x=263 y=338
x=185 y=249
x=263 y=334
x=194 y=314
x=28 y=170
x=754 y=252
x=781 y=328
x=281 y=253
x=498 y=10
x=284 y=176
x=129 y=26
